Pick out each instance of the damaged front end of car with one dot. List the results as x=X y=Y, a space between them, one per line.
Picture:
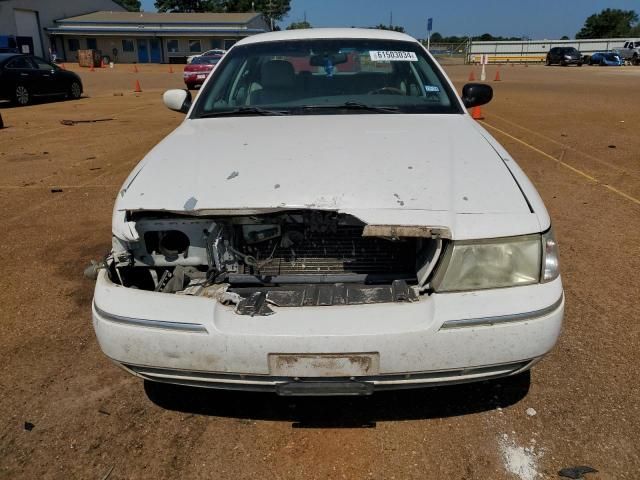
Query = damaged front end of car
x=288 y=258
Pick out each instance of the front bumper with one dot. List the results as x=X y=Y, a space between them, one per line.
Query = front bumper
x=441 y=339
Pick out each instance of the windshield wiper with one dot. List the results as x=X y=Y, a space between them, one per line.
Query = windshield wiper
x=243 y=111
x=350 y=106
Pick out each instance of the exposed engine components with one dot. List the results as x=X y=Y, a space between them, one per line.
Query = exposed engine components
x=274 y=259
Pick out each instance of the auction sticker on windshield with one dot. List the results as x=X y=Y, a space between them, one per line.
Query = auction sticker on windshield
x=392 y=56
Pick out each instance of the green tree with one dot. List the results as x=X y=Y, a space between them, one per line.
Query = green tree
x=436 y=37
x=564 y=37
x=393 y=28
x=131 y=5
x=272 y=9
x=299 y=25
x=609 y=23
x=276 y=9
x=180 y=6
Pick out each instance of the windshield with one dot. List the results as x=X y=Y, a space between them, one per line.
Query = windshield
x=341 y=76
x=205 y=60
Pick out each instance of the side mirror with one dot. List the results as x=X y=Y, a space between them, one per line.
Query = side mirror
x=178 y=100
x=476 y=94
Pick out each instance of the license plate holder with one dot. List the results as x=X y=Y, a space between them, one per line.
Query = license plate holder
x=324 y=365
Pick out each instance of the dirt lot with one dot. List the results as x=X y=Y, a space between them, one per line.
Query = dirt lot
x=575 y=133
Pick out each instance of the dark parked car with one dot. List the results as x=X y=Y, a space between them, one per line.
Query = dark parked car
x=564 y=56
x=25 y=77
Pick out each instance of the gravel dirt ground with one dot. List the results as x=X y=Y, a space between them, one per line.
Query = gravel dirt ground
x=68 y=412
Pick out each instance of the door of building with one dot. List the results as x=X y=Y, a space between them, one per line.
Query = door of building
x=156 y=50
x=143 y=51
x=27 y=26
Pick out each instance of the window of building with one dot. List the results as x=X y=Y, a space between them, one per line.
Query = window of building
x=127 y=45
x=92 y=44
x=173 y=46
x=74 y=44
x=216 y=43
x=228 y=43
x=194 y=46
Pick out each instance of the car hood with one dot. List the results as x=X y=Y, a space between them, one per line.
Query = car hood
x=436 y=170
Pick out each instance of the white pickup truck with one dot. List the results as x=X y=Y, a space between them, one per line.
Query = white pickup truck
x=630 y=52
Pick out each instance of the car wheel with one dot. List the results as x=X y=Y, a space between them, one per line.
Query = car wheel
x=563 y=63
x=548 y=62
x=579 y=64
x=22 y=96
x=636 y=59
x=75 y=91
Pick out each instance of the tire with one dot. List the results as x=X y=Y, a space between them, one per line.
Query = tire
x=564 y=64
x=75 y=91
x=579 y=64
x=548 y=62
x=21 y=95
x=635 y=60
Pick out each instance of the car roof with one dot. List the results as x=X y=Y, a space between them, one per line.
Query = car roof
x=326 y=33
x=7 y=56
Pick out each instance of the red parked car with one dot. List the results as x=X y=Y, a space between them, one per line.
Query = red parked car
x=199 y=69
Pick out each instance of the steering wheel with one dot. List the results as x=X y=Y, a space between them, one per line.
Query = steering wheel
x=386 y=90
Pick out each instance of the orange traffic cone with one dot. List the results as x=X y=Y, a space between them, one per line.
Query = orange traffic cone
x=137 y=89
x=170 y=69
x=497 y=79
x=92 y=69
x=62 y=66
x=476 y=113
x=472 y=76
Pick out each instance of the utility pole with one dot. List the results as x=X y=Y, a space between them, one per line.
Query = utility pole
x=391 y=20
x=271 y=13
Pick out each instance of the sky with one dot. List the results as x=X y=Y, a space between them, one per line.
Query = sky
x=536 y=19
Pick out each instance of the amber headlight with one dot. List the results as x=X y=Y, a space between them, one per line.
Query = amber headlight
x=493 y=263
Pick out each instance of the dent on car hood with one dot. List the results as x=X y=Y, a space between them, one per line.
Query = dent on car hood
x=434 y=170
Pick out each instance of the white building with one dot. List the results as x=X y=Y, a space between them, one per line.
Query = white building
x=23 y=23
x=143 y=37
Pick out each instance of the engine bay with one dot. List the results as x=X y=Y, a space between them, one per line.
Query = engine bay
x=284 y=259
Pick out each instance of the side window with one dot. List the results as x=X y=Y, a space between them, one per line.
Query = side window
x=74 y=44
x=41 y=64
x=173 y=46
x=19 y=63
x=194 y=46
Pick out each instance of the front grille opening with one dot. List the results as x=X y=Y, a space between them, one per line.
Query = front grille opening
x=342 y=250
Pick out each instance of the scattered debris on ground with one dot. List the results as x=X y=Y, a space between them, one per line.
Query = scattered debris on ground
x=576 y=473
x=71 y=123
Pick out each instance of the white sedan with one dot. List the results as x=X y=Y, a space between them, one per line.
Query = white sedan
x=327 y=220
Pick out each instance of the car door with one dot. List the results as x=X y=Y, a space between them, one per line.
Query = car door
x=553 y=55
x=22 y=71
x=49 y=82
